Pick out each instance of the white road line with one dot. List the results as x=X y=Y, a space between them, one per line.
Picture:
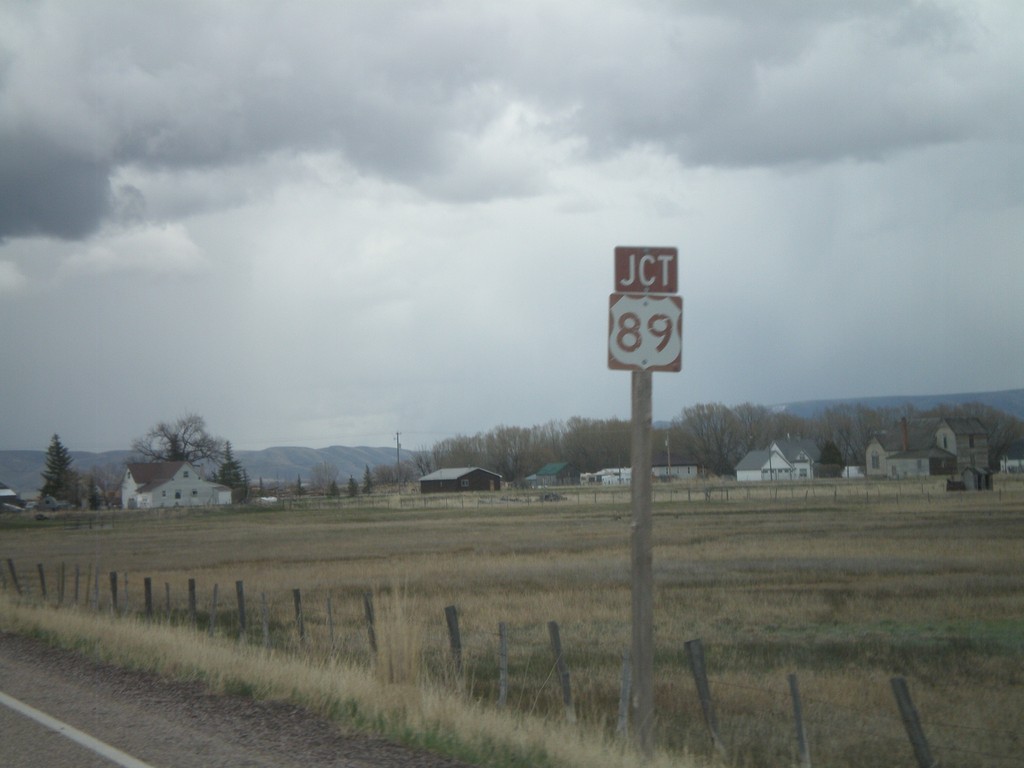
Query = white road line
x=105 y=750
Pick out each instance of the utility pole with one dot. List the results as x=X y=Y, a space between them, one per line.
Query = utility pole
x=398 y=461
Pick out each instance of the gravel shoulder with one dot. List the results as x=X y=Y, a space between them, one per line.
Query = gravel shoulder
x=168 y=723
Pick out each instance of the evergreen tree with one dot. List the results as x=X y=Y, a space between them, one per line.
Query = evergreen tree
x=95 y=497
x=367 y=481
x=353 y=487
x=59 y=480
x=333 y=490
x=232 y=474
x=299 y=490
x=831 y=461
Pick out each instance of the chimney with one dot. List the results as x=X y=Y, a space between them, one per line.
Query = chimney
x=905 y=434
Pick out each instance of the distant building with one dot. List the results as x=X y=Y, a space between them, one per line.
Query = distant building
x=930 y=447
x=9 y=498
x=556 y=473
x=458 y=479
x=610 y=476
x=782 y=460
x=169 y=484
x=666 y=466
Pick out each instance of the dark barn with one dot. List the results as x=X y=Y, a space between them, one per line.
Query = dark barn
x=460 y=479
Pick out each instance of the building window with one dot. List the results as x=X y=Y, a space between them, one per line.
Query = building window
x=465 y=482
x=186 y=473
x=164 y=494
x=971 y=441
x=177 y=494
x=945 y=443
x=874 y=461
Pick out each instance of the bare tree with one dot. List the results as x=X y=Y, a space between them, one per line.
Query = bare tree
x=322 y=477
x=424 y=461
x=183 y=440
x=716 y=436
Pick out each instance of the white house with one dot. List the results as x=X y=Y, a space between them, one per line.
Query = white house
x=782 y=460
x=169 y=484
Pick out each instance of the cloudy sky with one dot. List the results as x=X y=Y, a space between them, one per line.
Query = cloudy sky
x=320 y=223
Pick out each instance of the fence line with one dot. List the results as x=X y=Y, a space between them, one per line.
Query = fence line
x=361 y=636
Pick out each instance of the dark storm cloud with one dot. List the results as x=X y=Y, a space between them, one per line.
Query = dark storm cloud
x=48 y=190
x=393 y=88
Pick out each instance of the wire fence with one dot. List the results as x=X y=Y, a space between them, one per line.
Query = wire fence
x=538 y=669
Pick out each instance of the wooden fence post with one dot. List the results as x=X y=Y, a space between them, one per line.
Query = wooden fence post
x=240 y=596
x=147 y=590
x=213 y=612
x=192 y=603
x=912 y=722
x=451 y=617
x=113 y=592
x=14 y=575
x=297 y=595
x=695 y=650
x=78 y=579
x=502 y=664
x=563 y=671
x=798 y=719
x=42 y=580
x=265 y=615
x=621 y=729
x=370 y=624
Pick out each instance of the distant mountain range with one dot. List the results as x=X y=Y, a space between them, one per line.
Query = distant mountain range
x=22 y=470
x=1010 y=401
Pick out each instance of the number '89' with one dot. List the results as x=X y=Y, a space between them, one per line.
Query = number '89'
x=630 y=335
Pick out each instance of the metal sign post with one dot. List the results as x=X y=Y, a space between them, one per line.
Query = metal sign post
x=645 y=329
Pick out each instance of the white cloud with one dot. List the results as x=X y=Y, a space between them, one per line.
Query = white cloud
x=11 y=277
x=165 y=249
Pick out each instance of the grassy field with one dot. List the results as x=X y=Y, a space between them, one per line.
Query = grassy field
x=845 y=585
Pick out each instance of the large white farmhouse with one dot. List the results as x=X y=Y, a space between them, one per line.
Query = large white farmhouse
x=782 y=460
x=169 y=484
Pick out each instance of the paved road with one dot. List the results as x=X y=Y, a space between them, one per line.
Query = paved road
x=166 y=724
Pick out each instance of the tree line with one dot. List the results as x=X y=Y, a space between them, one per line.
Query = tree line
x=713 y=436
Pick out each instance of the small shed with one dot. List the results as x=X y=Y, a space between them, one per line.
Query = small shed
x=556 y=473
x=460 y=479
x=977 y=479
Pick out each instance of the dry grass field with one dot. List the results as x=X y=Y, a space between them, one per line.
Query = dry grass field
x=845 y=585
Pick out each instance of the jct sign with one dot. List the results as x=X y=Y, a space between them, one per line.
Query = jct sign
x=646 y=270
x=645 y=332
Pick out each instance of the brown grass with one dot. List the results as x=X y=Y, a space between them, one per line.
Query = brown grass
x=846 y=585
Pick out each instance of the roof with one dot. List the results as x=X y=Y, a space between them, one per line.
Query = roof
x=791 y=449
x=553 y=469
x=145 y=473
x=454 y=473
x=921 y=432
x=665 y=459
x=753 y=460
x=966 y=426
